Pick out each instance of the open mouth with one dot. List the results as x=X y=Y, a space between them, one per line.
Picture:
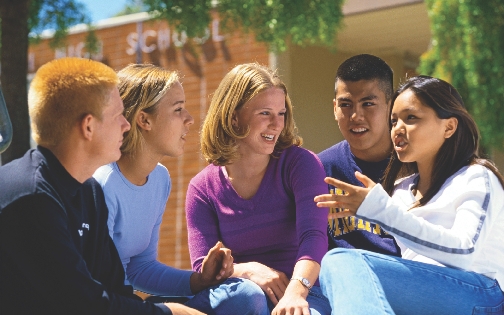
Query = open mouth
x=399 y=143
x=268 y=137
x=358 y=130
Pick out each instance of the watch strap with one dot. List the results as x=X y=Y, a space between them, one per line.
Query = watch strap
x=305 y=282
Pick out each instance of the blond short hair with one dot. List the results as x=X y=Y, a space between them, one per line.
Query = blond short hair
x=141 y=87
x=63 y=92
x=240 y=85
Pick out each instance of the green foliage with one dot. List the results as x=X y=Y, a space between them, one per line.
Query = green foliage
x=467 y=50
x=55 y=14
x=275 y=22
x=132 y=6
x=92 y=43
x=190 y=16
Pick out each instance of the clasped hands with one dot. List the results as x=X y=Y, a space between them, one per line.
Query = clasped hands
x=216 y=267
x=350 y=201
x=275 y=284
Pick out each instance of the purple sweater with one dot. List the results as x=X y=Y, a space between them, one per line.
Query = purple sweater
x=277 y=227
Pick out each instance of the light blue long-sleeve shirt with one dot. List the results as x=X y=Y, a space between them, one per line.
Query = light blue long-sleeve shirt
x=135 y=214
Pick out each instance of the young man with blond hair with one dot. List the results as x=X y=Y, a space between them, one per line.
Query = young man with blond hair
x=56 y=256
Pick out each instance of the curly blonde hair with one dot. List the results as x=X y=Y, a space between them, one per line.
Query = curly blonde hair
x=63 y=92
x=240 y=85
x=141 y=87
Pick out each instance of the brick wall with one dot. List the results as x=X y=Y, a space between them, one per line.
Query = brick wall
x=201 y=66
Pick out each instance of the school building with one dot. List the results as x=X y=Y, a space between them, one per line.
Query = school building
x=395 y=30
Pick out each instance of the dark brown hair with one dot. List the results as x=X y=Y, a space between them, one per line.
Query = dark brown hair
x=459 y=150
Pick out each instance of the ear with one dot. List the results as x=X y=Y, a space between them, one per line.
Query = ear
x=450 y=127
x=86 y=126
x=144 y=120
x=335 y=107
x=234 y=119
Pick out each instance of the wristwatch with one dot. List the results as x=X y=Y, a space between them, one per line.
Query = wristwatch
x=305 y=282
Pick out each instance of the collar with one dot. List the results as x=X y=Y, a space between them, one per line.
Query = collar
x=57 y=171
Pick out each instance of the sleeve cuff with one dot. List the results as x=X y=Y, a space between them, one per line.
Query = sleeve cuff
x=375 y=199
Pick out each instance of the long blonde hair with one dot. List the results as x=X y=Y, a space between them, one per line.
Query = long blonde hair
x=240 y=85
x=141 y=86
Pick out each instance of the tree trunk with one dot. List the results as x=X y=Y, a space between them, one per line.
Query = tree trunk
x=14 y=67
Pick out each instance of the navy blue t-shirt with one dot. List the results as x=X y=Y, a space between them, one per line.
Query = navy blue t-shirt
x=351 y=232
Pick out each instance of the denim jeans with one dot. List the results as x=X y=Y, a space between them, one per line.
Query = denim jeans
x=361 y=282
x=232 y=297
x=237 y=296
x=317 y=302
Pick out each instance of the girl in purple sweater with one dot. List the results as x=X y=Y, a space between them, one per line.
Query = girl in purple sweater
x=256 y=196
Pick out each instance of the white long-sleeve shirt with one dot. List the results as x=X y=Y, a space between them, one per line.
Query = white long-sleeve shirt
x=462 y=226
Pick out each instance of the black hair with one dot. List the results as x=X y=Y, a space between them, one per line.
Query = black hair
x=367 y=67
x=457 y=151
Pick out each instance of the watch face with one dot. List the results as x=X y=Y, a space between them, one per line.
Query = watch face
x=306 y=282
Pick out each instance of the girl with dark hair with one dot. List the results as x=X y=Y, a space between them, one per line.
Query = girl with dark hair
x=446 y=209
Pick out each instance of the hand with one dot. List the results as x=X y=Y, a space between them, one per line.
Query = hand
x=216 y=267
x=350 y=202
x=181 y=309
x=293 y=302
x=271 y=281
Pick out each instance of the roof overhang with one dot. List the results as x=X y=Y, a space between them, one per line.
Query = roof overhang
x=385 y=27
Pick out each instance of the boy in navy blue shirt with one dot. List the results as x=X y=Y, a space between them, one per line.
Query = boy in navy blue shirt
x=56 y=255
x=363 y=92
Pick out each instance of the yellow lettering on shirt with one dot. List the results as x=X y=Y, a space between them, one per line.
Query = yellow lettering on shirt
x=338 y=227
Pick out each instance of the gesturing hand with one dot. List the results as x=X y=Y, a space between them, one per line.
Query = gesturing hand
x=271 y=281
x=215 y=268
x=350 y=201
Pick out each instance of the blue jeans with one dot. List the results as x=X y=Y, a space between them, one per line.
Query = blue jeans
x=237 y=296
x=232 y=297
x=317 y=302
x=362 y=282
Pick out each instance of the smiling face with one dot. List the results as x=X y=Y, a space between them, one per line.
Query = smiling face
x=417 y=132
x=361 y=110
x=168 y=125
x=264 y=117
